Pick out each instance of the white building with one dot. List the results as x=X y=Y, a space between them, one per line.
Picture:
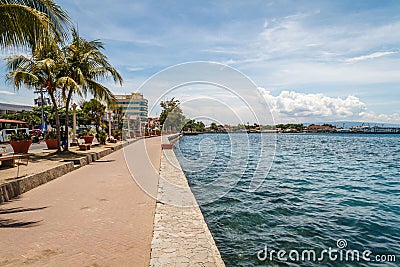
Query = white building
x=6 y=108
x=135 y=107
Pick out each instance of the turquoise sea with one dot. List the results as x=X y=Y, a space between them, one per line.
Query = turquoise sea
x=338 y=192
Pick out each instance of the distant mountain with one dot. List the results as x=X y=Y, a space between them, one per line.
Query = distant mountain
x=352 y=124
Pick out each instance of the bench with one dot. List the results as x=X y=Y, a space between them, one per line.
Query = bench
x=9 y=161
x=3 y=150
x=84 y=147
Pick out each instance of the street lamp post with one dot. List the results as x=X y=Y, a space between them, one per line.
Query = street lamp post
x=74 y=139
x=41 y=104
x=109 y=124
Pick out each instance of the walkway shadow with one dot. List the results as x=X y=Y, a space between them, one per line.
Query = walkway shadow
x=19 y=209
x=9 y=223
x=106 y=160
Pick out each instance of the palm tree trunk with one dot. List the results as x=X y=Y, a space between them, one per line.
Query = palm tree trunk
x=67 y=115
x=57 y=118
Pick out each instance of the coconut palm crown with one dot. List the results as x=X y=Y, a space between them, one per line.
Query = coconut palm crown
x=31 y=23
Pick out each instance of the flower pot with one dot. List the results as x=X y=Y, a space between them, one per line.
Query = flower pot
x=51 y=143
x=88 y=139
x=21 y=147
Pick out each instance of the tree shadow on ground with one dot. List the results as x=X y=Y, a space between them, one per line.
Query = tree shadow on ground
x=10 y=223
x=54 y=156
x=19 y=209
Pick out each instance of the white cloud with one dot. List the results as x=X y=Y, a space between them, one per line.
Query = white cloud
x=370 y=56
x=291 y=106
x=6 y=92
x=296 y=104
x=133 y=69
x=371 y=116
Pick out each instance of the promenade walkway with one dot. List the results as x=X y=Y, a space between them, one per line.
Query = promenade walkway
x=94 y=216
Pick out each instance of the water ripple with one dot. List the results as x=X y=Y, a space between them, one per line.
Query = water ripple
x=320 y=188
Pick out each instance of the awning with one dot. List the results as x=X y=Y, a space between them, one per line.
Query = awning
x=12 y=121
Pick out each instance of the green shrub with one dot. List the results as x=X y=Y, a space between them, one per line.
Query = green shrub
x=20 y=136
x=102 y=137
x=50 y=135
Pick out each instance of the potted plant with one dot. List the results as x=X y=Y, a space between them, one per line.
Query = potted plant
x=102 y=137
x=117 y=134
x=20 y=142
x=51 y=140
x=88 y=137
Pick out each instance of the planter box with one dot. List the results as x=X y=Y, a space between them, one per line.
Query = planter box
x=51 y=143
x=167 y=146
x=88 y=139
x=21 y=147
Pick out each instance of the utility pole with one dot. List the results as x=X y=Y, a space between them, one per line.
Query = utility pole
x=41 y=104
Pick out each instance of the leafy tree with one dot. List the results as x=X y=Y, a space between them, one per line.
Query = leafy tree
x=190 y=125
x=214 y=126
x=94 y=111
x=172 y=115
x=291 y=126
x=30 y=117
x=200 y=126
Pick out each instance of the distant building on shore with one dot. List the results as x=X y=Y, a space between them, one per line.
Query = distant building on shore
x=320 y=129
x=376 y=130
x=135 y=107
x=6 y=108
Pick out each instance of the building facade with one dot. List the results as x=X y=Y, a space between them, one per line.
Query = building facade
x=135 y=107
x=6 y=108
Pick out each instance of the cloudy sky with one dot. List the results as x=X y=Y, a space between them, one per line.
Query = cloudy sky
x=312 y=60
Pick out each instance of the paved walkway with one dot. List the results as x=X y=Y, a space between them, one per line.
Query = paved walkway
x=94 y=216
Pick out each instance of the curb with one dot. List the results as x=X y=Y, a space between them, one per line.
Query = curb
x=181 y=236
x=12 y=189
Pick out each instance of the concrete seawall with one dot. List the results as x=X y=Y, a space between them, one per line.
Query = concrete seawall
x=181 y=236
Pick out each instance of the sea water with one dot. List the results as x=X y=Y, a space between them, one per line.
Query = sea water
x=333 y=195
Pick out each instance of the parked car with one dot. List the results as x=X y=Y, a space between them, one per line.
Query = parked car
x=6 y=133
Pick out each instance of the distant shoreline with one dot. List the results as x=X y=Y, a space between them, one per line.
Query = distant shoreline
x=271 y=132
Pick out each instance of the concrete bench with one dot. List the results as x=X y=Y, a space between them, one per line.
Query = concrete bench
x=167 y=146
x=84 y=147
x=9 y=160
x=3 y=150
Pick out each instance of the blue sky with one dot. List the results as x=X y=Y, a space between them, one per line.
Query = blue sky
x=312 y=60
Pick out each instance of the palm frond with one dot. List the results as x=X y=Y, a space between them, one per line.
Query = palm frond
x=24 y=26
x=101 y=92
x=15 y=62
x=20 y=78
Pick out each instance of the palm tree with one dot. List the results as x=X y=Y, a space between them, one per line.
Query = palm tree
x=37 y=73
x=85 y=64
x=119 y=114
x=31 y=23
